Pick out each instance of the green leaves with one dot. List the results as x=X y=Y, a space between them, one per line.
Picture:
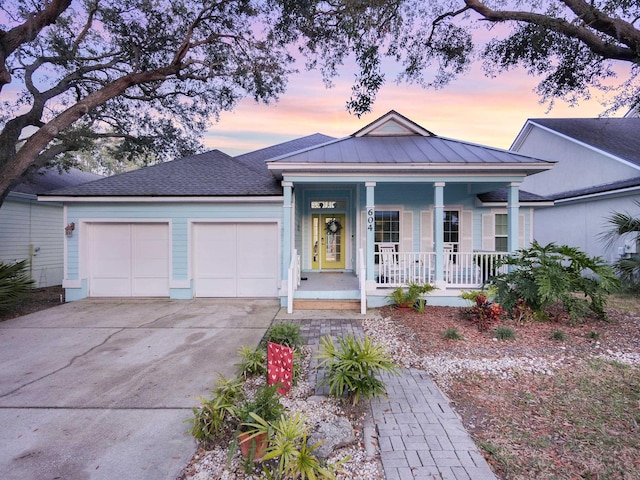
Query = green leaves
x=353 y=366
x=545 y=275
x=15 y=283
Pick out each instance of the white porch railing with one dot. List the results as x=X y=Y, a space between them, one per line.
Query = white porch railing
x=293 y=279
x=362 y=277
x=461 y=269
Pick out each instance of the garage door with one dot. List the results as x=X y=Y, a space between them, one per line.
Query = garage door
x=236 y=259
x=129 y=260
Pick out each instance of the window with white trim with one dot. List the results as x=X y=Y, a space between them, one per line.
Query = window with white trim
x=452 y=228
x=387 y=228
x=501 y=232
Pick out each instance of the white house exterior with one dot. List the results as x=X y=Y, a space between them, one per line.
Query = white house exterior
x=258 y=224
x=597 y=173
x=34 y=231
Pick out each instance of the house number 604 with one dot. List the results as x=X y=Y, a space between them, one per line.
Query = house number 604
x=370 y=219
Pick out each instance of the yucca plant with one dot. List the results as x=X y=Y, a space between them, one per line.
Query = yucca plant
x=290 y=449
x=253 y=361
x=353 y=367
x=15 y=284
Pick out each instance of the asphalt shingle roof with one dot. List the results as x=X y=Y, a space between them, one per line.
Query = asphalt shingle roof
x=617 y=136
x=48 y=179
x=606 y=187
x=213 y=173
x=501 y=195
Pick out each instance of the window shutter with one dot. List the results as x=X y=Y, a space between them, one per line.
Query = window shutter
x=522 y=236
x=406 y=232
x=466 y=231
x=488 y=233
x=426 y=231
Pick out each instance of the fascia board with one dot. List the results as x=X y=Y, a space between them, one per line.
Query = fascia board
x=149 y=199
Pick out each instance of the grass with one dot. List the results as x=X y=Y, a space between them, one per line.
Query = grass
x=582 y=422
x=624 y=302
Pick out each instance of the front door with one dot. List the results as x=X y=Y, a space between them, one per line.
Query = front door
x=327 y=241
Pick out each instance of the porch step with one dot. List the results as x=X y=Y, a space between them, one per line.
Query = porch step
x=325 y=304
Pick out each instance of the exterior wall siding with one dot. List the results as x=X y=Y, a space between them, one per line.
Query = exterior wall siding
x=32 y=231
x=578 y=166
x=580 y=224
x=179 y=215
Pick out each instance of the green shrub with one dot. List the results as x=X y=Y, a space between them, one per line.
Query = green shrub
x=558 y=336
x=253 y=361
x=353 y=367
x=211 y=419
x=285 y=333
x=504 y=333
x=413 y=296
x=289 y=449
x=451 y=334
x=15 y=284
x=544 y=276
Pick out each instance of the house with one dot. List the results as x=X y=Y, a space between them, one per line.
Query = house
x=34 y=231
x=315 y=218
x=597 y=173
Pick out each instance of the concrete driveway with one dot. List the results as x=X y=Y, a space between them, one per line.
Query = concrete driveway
x=101 y=389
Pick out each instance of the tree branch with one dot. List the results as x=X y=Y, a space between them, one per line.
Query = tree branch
x=581 y=32
x=28 y=31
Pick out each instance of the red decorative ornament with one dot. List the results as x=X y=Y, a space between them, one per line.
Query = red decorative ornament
x=279 y=366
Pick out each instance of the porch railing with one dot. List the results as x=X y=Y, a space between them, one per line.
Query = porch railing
x=461 y=269
x=362 y=274
x=293 y=279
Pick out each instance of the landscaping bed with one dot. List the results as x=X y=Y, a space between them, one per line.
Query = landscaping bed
x=559 y=400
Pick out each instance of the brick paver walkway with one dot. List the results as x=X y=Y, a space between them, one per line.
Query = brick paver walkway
x=420 y=437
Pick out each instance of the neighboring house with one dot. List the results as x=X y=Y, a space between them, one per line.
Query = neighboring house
x=597 y=174
x=34 y=231
x=313 y=218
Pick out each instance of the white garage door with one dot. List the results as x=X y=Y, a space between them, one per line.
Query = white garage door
x=129 y=260
x=236 y=259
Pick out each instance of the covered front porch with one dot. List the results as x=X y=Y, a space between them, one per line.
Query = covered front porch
x=394 y=204
x=349 y=289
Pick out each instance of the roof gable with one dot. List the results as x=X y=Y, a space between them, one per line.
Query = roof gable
x=617 y=137
x=392 y=124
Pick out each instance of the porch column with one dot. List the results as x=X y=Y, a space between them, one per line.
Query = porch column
x=287 y=227
x=370 y=218
x=438 y=232
x=513 y=209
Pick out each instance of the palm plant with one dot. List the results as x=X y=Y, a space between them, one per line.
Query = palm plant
x=15 y=284
x=624 y=225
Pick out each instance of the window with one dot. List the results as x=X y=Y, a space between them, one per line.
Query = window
x=501 y=232
x=387 y=228
x=452 y=228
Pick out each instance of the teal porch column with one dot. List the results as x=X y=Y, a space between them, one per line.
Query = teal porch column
x=370 y=218
x=287 y=227
x=438 y=232
x=513 y=217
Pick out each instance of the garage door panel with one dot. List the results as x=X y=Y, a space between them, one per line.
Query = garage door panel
x=236 y=260
x=129 y=260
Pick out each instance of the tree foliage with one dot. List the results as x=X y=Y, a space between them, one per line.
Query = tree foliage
x=143 y=79
x=546 y=275
x=570 y=44
x=149 y=74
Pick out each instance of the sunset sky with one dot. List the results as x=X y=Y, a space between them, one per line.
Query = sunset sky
x=474 y=108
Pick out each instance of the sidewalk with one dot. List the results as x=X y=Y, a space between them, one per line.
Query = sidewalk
x=420 y=437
